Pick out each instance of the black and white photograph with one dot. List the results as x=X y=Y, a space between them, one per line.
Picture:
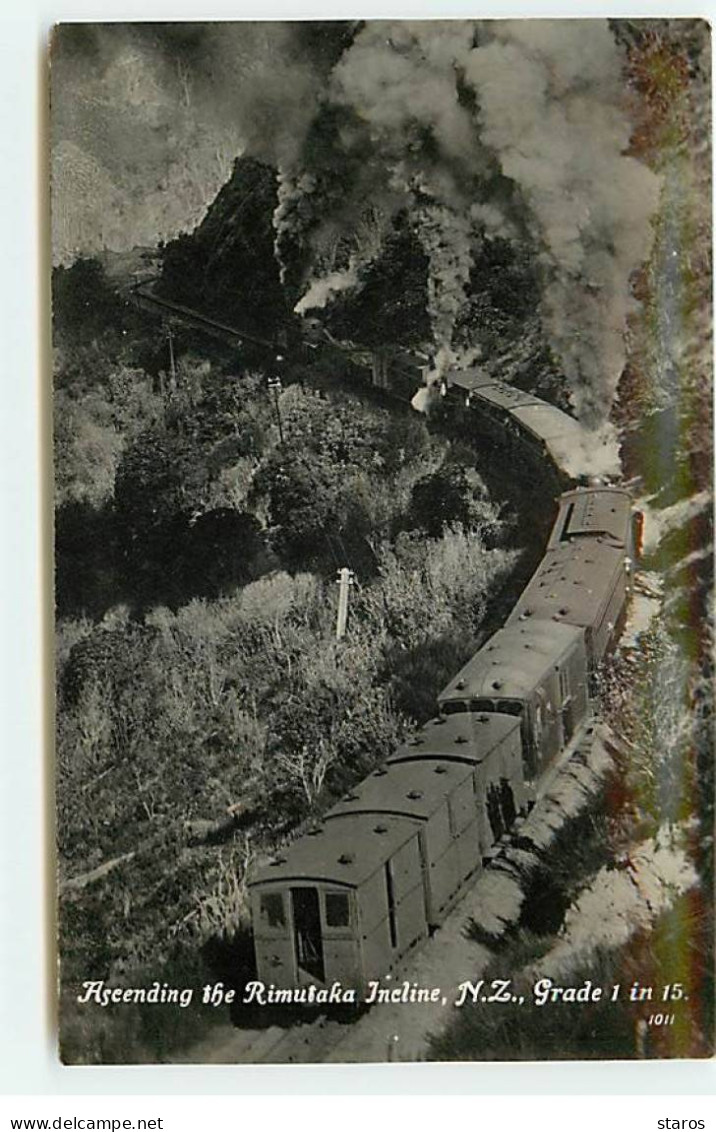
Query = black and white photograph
x=382 y=445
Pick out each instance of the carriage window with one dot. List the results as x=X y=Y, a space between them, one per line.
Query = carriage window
x=453 y=707
x=338 y=913
x=509 y=707
x=272 y=909
x=482 y=705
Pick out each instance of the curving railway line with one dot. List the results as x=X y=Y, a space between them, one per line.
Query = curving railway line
x=357 y=897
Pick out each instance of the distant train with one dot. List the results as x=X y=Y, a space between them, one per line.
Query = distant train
x=347 y=900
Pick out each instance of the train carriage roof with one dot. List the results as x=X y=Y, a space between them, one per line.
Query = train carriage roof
x=466 y=738
x=415 y=790
x=546 y=419
x=514 y=661
x=566 y=440
x=345 y=851
x=571 y=583
x=507 y=396
x=593 y=510
x=563 y=436
x=470 y=379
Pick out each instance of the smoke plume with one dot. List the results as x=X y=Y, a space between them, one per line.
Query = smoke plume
x=445 y=237
x=475 y=129
x=560 y=132
x=463 y=116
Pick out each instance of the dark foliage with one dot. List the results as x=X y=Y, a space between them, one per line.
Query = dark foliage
x=416 y=675
x=391 y=306
x=89 y=561
x=95 y=322
x=83 y=302
x=441 y=498
x=227 y=266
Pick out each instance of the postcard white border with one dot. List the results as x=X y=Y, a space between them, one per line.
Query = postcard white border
x=28 y=1061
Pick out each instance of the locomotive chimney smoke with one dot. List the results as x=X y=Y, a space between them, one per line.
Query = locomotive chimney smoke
x=293 y=212
x=492 y=220
x=402 y=79
x=445 y=237
x=560 y=131
x=446 y=105
x=323 y=290
x=367 y=238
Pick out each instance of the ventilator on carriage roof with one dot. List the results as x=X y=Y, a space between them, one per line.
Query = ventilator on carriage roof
x=597 y=511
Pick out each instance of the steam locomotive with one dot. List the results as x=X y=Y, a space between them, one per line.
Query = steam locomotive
x=347 y=900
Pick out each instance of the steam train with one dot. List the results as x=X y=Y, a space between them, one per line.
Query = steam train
x=350 y=898
x=347 y=900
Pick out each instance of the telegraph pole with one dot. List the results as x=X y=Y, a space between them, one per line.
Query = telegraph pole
x=346 y=579
x=274 y=384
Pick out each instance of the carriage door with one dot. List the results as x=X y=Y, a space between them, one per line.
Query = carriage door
x=567 y=706
x=308 y=942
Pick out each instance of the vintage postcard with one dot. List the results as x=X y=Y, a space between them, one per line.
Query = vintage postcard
x=382 y=393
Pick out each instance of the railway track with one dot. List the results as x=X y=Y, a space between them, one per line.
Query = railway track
x=143 y=293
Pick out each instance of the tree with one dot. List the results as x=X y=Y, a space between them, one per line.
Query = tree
x=391 y=304
x=83 y=302
x=441 y=498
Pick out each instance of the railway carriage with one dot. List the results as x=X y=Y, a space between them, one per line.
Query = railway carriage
x=344 y=902
x=596 y=512
x=389 y=861
x=535 y=671
x=438 y=797
x=523 y=418
x=585 y=576
x=491 y=745
x=583 y=584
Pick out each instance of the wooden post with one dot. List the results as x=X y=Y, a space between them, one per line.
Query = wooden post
x=274 y=384
x=345 y=579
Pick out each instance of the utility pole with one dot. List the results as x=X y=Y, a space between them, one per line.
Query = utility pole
x=274 y=384
x=346 y=578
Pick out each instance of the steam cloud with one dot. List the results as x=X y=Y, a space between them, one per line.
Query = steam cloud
x=475 y=129
x=450 y=106
x=561 y=132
